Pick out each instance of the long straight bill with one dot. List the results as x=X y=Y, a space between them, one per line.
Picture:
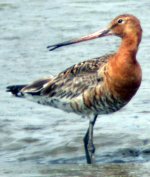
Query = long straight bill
x=95 y=35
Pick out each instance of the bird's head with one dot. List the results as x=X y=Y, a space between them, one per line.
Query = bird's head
x=122 y=26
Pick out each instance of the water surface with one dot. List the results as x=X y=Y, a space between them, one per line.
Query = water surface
x=31 y=133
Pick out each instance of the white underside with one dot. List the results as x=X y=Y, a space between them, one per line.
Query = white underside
x=60 y=103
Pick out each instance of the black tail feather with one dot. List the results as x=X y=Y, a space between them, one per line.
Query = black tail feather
x=15 y=89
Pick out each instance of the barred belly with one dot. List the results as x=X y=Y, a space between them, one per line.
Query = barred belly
x=85 y=104
x=106 y=105
x=102 y=103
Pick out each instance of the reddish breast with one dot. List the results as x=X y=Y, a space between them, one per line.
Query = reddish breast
x=123 y=79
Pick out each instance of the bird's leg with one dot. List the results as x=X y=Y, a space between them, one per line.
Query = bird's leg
x=88 y=142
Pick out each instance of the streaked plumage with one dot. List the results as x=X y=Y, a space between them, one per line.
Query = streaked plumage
x=97 y=86
x=80 y=89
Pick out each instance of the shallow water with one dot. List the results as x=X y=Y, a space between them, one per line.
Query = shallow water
x=42 y=135
x=105 y=170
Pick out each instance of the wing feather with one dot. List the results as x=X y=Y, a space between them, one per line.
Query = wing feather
x=76 y=79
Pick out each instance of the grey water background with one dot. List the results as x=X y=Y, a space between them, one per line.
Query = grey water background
x=35 y=134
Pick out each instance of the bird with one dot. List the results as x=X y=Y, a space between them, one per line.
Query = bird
x=94 y=87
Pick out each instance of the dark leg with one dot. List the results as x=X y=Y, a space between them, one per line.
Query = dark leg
x=88 y=142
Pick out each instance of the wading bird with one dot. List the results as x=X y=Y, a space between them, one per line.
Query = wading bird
x=97 y=86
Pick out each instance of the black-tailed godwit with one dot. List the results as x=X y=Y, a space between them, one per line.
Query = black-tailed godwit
x=97 y=86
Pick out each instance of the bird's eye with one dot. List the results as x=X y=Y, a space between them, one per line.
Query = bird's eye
x=120 y=21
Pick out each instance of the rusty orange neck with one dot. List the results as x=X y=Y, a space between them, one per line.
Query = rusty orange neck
x=128 y=48
x=124 y=70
